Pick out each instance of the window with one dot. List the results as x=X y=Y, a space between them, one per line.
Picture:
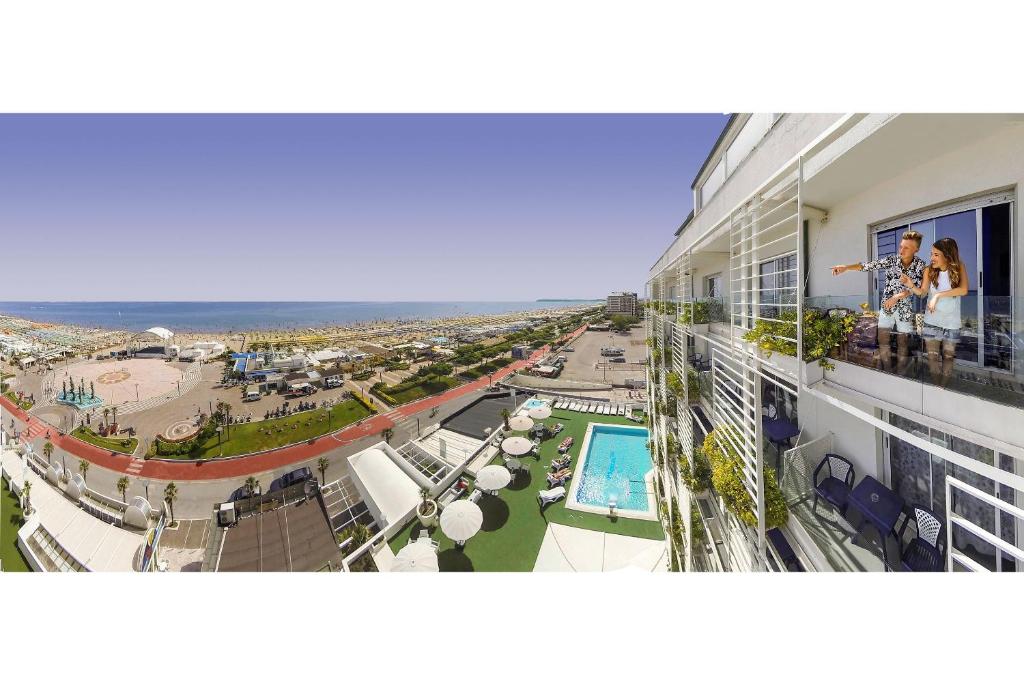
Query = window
x=714 y=181
x=986 y=337
x=713 y=285
x=777 y=282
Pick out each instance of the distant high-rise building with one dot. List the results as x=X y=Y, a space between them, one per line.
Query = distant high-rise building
x=622 y=303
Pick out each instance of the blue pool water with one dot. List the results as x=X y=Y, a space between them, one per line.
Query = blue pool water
x=616 y=462
x=533 y=403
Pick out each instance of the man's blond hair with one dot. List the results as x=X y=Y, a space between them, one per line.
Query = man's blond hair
x=913 y=235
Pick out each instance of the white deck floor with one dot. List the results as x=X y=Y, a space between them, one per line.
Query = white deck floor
x=574 y=549
x=457 y=446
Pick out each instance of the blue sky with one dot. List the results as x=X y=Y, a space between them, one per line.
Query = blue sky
x=341 y=207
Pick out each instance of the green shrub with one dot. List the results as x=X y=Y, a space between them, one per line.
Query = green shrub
x=822 y=332
x=358 y=397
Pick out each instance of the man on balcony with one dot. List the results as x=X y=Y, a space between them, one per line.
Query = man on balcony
x=896 y=308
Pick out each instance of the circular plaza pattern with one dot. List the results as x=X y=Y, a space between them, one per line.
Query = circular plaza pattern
x=181 y=430
x=111 y=377
x=124 y=380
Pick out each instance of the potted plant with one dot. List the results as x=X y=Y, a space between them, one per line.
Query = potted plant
x=426 y=512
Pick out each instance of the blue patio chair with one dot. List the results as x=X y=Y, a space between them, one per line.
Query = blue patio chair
x=835 y=487
x=927 y=551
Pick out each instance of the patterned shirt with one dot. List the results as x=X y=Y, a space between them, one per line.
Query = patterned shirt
x=893 y=270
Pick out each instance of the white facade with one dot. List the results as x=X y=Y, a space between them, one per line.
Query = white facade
x=812 y=192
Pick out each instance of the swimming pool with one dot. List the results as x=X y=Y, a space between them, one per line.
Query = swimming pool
x=615 y=467
x=533 y=403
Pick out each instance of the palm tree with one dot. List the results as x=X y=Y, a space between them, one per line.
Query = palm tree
x=106 y=416
x=48 y=450
x=171 y=494
x=504 y=416
x=227 y=416
x=83 y=466
x=387 y=434
x=359 y=534
x=122 y=486
x=322 y=464
x=25 y=490
x=251 y=485
x=114 y=409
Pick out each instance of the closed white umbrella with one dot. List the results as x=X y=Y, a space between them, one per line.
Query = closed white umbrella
x=516 y=446
x=520 y=423
x=461 y=520
x=540 y=413
x=493 y=477
x=416 y=557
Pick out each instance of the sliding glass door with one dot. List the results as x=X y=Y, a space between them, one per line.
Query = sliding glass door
x=983 y=236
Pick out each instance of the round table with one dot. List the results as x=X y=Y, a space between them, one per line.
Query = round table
x=513 y=465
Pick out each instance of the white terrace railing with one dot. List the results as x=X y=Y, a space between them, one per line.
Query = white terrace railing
x=798 y=464
x=958 y=558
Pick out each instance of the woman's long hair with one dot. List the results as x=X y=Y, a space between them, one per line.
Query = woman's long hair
x=949 y=250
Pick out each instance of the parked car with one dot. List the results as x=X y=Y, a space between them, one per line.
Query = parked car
x=243 y=493
x=302 y=390
x=252 y=395
x=299 y=475
x=333 y=383
x=618 y=359
x=568 y=349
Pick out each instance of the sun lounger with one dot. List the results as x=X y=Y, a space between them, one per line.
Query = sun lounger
x=586 y=408
x=604 y=409
x=622 y=410
x=566 y=444
x=559 y=478
x=559 y=464
x=576 y=406
x=546 y=497
x=558 y=428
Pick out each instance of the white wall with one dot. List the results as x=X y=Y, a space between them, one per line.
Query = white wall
x=853 y=439
x=993 y=162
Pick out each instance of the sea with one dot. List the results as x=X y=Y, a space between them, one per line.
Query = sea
x=246 y=316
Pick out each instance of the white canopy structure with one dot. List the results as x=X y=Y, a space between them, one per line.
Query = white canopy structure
x=389 y=492
x=156 y=341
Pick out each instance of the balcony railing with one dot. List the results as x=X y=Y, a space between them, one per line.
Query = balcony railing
x=988 y=359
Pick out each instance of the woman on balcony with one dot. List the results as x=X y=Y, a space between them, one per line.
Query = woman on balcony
x=946 y=277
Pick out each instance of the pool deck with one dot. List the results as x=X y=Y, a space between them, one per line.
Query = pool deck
x=569 y=549
x=651 y=514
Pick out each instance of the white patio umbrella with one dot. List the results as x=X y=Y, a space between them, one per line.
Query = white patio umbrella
x=416 y=557
x=540 y=413
x=461 y=520
x=520 y=423
x=516 y=446
x=493 y=477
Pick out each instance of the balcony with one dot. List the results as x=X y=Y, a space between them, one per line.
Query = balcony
x=988 y=360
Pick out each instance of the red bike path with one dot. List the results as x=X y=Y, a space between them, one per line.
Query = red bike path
x=254 y=463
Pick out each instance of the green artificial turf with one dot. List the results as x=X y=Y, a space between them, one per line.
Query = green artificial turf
x=11 y=521
x=514 y=525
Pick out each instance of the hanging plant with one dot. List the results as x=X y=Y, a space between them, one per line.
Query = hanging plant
x=727 y=478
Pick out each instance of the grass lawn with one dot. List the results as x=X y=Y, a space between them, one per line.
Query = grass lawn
x=244 y=438
x=514 y=526
x=24 y=404
x=434 y=386
x=112 y=444
x=10 y=522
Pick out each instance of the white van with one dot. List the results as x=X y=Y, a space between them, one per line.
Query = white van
x=251 y=395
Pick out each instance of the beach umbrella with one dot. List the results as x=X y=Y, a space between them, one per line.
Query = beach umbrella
x=540 y=413
x=416 y=557
x=493 y=477
x=461 y=520
x=520 y=423
x=516 y=446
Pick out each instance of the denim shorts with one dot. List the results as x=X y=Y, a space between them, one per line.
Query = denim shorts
x=892 y=321
x=936 y=333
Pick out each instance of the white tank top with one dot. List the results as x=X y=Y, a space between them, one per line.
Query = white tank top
x=947 y=310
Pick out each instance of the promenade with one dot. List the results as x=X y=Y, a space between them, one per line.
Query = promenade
x=33 y=428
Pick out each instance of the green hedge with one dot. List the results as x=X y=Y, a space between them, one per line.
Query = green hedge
x=362 y=376
x=358 y=397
